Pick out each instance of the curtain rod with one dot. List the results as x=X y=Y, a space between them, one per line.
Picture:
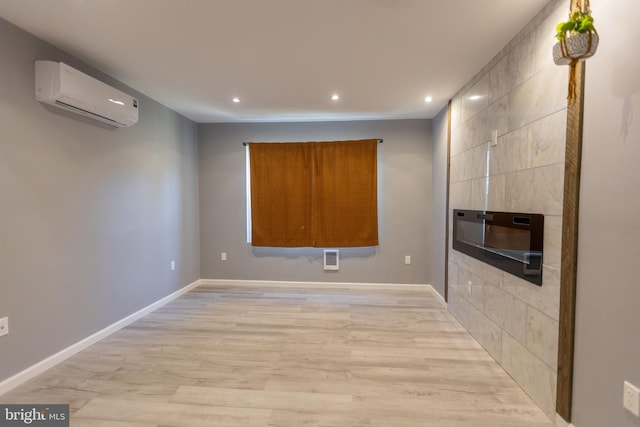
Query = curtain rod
x=380 y=140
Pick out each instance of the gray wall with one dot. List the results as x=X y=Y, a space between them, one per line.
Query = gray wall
x=438 y=231
x=404 y=208
x=90 y=216
x=607 y=341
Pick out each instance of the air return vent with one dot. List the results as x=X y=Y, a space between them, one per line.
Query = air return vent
x=331 y=259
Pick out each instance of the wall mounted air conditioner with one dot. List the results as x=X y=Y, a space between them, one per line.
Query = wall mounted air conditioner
x=65 y=87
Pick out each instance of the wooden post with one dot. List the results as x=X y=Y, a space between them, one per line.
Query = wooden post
x=568 y=269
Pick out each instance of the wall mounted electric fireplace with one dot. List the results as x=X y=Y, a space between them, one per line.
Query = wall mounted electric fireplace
x=509 y=241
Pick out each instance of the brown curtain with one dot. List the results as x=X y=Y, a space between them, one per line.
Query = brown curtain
x=280 y=187
x=345 y=202
x=321 y=194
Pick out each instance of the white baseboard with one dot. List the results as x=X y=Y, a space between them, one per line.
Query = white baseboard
x=328 y=285
x=24 y=376
x=438 y=297
x=560 y=422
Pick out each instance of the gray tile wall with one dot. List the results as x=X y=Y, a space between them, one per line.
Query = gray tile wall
x=521 y=94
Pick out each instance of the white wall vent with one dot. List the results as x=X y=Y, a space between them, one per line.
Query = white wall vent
x=331 y=259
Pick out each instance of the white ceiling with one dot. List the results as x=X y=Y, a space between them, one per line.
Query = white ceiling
x=282 y=58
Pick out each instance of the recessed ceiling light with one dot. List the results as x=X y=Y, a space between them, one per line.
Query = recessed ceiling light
x=428 y=99
x=236 y=100
x=475 y=97
x=335 y=96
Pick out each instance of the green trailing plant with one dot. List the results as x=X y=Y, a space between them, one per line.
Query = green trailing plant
x=564 y=53
x=579 y=22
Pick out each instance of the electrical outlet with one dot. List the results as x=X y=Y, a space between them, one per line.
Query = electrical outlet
x=469 y=285
x=173 y=265
x=494 y=138
x=407 y=259
x=4 y=326
x=631 y=398
x=223 y=256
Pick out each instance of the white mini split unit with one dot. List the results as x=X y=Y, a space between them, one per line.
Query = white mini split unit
x=65 y=87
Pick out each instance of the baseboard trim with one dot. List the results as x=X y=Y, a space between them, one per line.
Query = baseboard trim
x=328 y=285
x=438 y=296
x=560 y=422
x=40 y=367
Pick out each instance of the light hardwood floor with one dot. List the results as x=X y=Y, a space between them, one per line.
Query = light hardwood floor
x=288 y=356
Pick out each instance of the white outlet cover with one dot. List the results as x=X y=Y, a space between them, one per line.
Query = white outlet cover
x=631 y=398
x=4 y=326
x=494 y=138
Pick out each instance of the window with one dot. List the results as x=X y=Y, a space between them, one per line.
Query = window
x=319 y=194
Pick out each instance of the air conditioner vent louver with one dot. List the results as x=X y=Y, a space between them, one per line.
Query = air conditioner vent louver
x=331 y=259
x=86 y=113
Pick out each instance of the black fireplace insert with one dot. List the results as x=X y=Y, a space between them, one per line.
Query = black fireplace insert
x=512 y=242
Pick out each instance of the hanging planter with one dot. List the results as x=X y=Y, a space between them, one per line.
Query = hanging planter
x=575 y=48
x=577 y=41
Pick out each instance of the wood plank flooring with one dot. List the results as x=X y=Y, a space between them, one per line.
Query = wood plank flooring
x=288 y=356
